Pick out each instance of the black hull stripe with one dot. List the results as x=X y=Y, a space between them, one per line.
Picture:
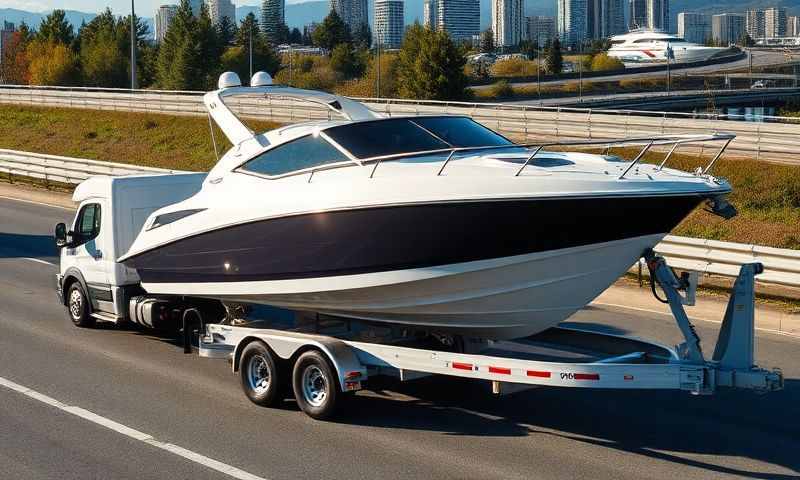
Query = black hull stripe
x=347 y=242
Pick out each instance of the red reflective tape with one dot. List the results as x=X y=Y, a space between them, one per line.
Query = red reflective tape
x=462 y=366
x=587 y=376
x=534 y=373
x=504 y=371
x=628 y=377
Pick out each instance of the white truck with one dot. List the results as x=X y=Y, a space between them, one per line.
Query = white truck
x=325 y=358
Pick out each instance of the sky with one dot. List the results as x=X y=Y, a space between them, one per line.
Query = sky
x=121 y=7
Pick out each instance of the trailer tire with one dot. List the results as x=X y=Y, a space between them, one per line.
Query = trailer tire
x=260 y=375
x=78 y=307
x=316 y=385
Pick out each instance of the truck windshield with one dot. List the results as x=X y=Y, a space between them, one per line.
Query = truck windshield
x=409 y=135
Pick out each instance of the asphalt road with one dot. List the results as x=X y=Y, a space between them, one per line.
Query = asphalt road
x=432 y=428
x=760 y=59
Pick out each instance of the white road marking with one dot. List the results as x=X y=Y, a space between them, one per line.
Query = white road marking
x=132 y=433
x=647 y=310
x=37 y=203
x=39 y=260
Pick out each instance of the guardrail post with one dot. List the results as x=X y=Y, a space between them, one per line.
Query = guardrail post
x=758 y=141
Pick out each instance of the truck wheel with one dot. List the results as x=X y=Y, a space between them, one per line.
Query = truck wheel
x=260 y=376
x=316 y=385
x=78 y=308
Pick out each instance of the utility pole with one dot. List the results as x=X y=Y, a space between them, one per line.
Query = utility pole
x=539 y=72
x=133 y=47
x=580 y=72
x=378 y=78
x=250 y=32
x=669 y=78
x=750 y=64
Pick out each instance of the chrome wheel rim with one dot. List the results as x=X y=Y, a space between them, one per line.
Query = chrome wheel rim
x=315 y=386
x=76 y=304
x=258 y=374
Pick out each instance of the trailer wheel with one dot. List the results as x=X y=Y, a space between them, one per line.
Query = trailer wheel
x=78 y=308
x=316 y=385
x=260 y=376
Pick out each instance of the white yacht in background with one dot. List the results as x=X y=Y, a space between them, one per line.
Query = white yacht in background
x=431 y=221
x=647 y=46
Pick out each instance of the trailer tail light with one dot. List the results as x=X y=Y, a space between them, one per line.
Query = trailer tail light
x=352 y=375
x=462 y=366
x=500 y=370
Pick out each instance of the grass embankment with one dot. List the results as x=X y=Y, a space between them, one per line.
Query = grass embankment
x=767 y=195
x=167 y=141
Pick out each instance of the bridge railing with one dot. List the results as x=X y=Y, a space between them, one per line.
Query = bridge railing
x=781 y=266
x=776 y=139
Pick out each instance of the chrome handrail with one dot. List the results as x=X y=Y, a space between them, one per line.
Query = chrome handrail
x=646 y=142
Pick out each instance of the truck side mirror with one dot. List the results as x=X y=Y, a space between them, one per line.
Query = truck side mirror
x=61 y=235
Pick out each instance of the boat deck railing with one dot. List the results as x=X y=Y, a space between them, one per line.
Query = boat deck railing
x=645 y=142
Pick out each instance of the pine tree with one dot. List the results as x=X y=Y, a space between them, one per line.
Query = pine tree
x=362 y=37
x=430 y=66
x=331 y=32
x=487 y=41
x=178 y=57
x=226 y=31
x=55 y=28
x=553 y=59
x=295 y=37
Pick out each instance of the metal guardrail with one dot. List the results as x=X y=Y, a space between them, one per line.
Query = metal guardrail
x=777 y=139
x=52 y=168
x=781 y=266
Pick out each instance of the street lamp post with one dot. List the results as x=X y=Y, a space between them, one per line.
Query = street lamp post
x=378 y=77
x=250 y=34
x=539 y=72
x=133 y=47
x=580 y=72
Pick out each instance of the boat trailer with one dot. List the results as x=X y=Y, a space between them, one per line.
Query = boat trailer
x=588 y=359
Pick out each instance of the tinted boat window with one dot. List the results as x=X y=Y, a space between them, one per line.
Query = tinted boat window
x=305 y=152
x=461 y=132
x=384 y=137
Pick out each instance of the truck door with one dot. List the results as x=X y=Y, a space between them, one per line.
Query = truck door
x=88 y=253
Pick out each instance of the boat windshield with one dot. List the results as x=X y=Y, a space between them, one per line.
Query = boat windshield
x=410 y=135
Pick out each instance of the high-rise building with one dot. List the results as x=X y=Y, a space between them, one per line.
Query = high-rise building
x=197 y=6
x=163 y=19
x=793 y=26
x=508 y=23
x=541 y=30
x=657 y=14
x=387 y=29
x=605 y=18
x=727 y=28
x=694 y=27
x=430 y=9
x=755 y=24
x=272 y=19
x=460 y=18
x=637 y=14
x=571 y=22
x=775 y=22
x=218 y=9
x=353 y=12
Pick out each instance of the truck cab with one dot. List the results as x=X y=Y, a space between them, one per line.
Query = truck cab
x=91 y=284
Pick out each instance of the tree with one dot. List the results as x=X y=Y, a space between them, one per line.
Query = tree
x=746 y=40
x=430 y=66
x=52 y=63
x=295 y=36
x=346 y=61
x=226 y=31
x=56 y=28
x=237 y=59
x=178 y=56
x=103 y=63
x=209 y=49
x=487 y=41
x=331 y=32
x=362 y=37
x=602 y=62
x=247 y=26
x=14 y=62
x=553 y=59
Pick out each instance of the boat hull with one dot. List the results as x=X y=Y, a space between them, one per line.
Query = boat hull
x=495 y=269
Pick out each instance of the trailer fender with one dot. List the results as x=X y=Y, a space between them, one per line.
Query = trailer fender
x=348 y=368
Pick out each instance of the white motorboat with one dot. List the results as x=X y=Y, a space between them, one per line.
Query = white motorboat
x=431 y=221
x=647 y=46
